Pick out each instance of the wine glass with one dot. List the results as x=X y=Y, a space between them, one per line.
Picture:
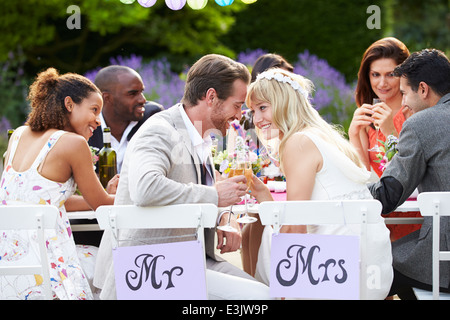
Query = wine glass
x=245 y=168
x=228 y=227
x=376 y=148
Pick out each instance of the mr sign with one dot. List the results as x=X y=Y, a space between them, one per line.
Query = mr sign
x=169 y=271
x=314 y=266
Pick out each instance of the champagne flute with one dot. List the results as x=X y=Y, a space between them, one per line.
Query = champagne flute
x=376 y=148
x=246 y=169
x=228 y=227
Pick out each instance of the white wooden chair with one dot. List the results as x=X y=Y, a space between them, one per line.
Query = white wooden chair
x=30 y=217
x=435 y=205
x=362 y=212
x=189 y=216
x=196 y=216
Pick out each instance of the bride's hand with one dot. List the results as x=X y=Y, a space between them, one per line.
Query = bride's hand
x=259 y=190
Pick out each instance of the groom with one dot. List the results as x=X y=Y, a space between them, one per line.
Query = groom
x=168 y=162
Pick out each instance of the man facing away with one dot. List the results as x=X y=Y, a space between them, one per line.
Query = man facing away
x=168 y=162
x=422 y=161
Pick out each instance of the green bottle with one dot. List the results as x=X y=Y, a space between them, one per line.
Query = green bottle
x=107 y=159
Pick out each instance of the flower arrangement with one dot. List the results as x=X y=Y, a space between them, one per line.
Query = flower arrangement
x=223 y=161
x=388 y=151
x=94 y=155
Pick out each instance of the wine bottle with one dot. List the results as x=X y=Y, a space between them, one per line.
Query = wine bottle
x=107 y=159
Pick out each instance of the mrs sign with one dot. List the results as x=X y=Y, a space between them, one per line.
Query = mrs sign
x=315 y=266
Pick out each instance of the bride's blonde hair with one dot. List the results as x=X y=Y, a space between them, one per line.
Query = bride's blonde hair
x=292 y=111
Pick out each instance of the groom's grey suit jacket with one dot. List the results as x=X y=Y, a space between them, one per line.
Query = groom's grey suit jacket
x=162 y=168
x=423 y=161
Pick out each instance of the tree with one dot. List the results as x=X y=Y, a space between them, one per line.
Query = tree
x=333 y=30
x=422 y=24
x=109 y=28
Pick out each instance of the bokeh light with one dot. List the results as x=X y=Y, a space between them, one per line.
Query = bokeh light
x=175 y=4
x=147 y=3
x=197 y=4
x=224 y=3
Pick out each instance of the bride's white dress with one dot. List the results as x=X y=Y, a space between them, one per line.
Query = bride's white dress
x=341 y=179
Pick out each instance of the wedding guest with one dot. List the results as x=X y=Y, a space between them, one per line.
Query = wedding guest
x=376 y=80
x=270 y=60
x=422 y=162
x=46 y=160
x=318 y=163
x=168 y=162
x=125 y=108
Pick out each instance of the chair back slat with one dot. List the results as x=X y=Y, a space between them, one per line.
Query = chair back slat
x=30 y=217
x=435 y=205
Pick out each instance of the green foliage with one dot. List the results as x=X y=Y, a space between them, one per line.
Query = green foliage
x=109 y=28
x=422 y=24
x=333 y=30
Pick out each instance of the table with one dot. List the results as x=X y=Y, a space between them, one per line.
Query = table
x=407 y=206
x=78 y=219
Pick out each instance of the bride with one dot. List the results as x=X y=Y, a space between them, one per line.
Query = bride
x=318 y=163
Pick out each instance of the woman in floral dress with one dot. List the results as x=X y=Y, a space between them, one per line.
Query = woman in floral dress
x=46 y=159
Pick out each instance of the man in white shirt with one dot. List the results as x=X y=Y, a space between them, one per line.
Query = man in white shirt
x=124 y=107
x=169 y=162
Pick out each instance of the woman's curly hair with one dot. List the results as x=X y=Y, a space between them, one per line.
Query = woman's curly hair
x=47 y=94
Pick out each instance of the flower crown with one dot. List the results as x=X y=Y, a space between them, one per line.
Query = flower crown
x=271 y=74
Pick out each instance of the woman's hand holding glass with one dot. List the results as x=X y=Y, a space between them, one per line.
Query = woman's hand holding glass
x=384 y=118
x=376 y=147
x=243 y=168
x=259 y=190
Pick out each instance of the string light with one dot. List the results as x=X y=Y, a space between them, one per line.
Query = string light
x=147 y=3
x=179 y=4
x=197 y=4
x=224 y=3
x=175 y=4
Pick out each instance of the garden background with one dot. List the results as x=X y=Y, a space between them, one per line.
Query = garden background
x=323 y=39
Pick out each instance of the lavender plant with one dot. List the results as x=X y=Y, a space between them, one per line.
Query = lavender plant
x=333 y=96
x=161 y=84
